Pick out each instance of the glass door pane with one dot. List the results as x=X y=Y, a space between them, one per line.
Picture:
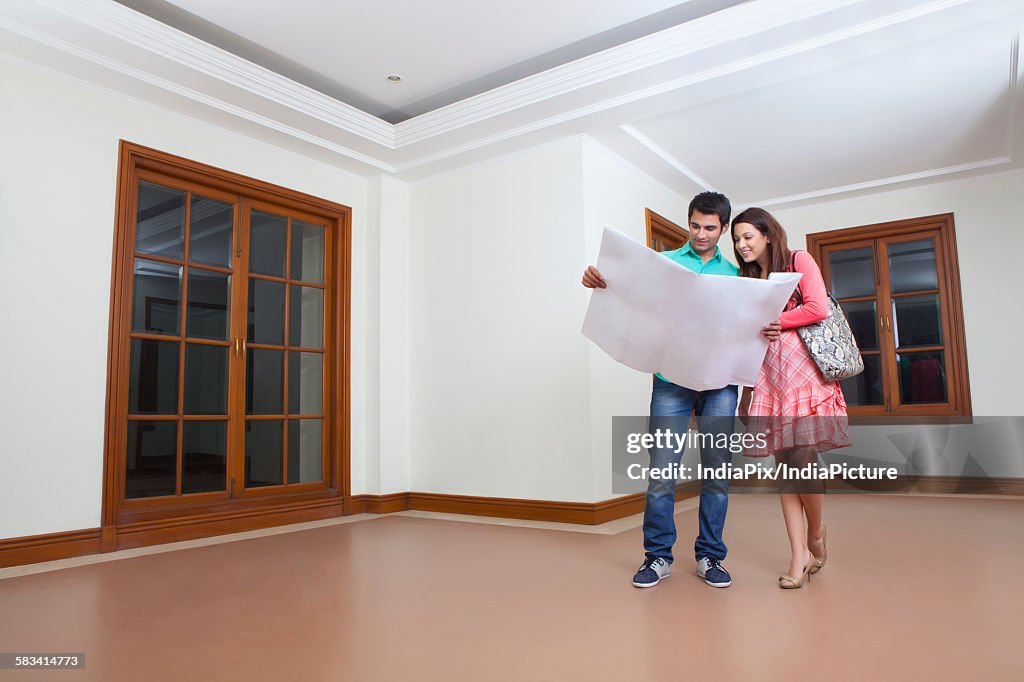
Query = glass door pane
x=156 y=297
x=922 y=377
x=205 y=449
x=211 y=228
x=916 y=329
x=159 y=221
x=284 y=378
x=851 y=275
x=866 y=388
x=179 y=354
x=912 y=266
x=917 y=321
x=263 y=453
x=305 y=370
x=863 y=319
x=150 y=458
x=852 y=272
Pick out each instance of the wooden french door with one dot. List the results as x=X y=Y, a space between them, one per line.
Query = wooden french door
x=281 y=422
x=663 y=234
x=899 y=288
x=227 y=353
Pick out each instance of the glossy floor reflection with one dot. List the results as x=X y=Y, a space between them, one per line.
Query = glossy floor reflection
x=917 y=588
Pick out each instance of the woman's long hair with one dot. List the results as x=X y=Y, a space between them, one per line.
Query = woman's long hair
x=778 y=250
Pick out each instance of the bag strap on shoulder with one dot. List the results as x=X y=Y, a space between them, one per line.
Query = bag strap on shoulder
x=792 y=268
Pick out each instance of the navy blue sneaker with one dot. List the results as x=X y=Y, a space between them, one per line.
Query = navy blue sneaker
x=653 y=571
x=713 y=572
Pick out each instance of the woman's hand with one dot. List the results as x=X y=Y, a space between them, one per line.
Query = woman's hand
x=772 y=331
x=592 y=278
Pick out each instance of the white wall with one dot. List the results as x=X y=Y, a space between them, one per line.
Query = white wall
x=57 y=190
x=988 y=212
x=469 y=372
x=615 y=195
x=387 y=337
x=499 y=368
x=508 y=398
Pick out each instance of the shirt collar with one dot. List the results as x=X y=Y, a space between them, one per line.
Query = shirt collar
x=687 y=249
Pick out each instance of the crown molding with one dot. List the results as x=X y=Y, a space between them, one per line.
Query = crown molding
x=731 y=24
x=725 y=26
x=721 y=27
x=684 y=82
x=883 y=182
x=90 y=86
x=1013 y=91
x=625 y=163
x=665 y=156
x=149 y=34
x=189 y=93
x=495 y=160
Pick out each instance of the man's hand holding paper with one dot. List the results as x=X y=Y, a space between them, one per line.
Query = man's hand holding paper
x=699 y=331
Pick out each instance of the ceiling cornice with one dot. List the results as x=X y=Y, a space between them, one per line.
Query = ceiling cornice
x=662 y=88
x=883 y=182
x=355 y=128
x=181 y=48
x=194 y=95
x=1013 y=93
x=722 y=27
x=91 y=86
x=661 y=153
x=149 y=34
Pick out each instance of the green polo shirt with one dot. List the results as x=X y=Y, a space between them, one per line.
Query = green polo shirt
x=716 y=265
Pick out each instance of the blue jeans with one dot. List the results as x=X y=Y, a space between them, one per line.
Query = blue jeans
x=716 y=410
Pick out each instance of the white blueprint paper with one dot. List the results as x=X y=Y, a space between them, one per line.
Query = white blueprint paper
x=698 y=331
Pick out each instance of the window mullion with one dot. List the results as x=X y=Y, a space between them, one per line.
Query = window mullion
x=887 y=341
x=239 y=322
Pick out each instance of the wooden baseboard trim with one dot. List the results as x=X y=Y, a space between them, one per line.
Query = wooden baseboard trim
x=32 y=549
x=506 y=508
x=157 y=532
x=587 y=513
x=377 y=504
x=65 y=545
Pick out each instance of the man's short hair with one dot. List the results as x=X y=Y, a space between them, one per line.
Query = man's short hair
x=711 y=203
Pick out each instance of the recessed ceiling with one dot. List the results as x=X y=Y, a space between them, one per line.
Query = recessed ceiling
x=774 y=101
x=444 y=50
x=929 y=105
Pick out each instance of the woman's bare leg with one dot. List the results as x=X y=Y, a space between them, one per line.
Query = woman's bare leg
x=793 y=514
x=812 y=500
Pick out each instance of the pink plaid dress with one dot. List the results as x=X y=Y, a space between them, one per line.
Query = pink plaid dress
x=792 y=404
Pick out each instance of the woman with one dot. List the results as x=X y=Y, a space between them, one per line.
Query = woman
x=800 y=413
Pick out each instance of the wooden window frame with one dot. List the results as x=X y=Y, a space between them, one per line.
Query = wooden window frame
x=132 y=522
x=958 y=387
x=660 y=226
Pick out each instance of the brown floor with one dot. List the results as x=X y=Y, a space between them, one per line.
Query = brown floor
x=917 y=588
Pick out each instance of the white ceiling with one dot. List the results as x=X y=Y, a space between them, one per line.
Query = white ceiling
x=444 y=50
x=932 y=104
x=774 y=101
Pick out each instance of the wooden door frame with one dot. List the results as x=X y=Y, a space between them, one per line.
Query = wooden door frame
x=121 y=529
x=658 y=223
x=948 y=270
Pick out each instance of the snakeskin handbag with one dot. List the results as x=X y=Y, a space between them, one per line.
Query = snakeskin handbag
x=831 y=343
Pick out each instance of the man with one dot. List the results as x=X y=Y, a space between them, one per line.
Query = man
x=671 y=407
